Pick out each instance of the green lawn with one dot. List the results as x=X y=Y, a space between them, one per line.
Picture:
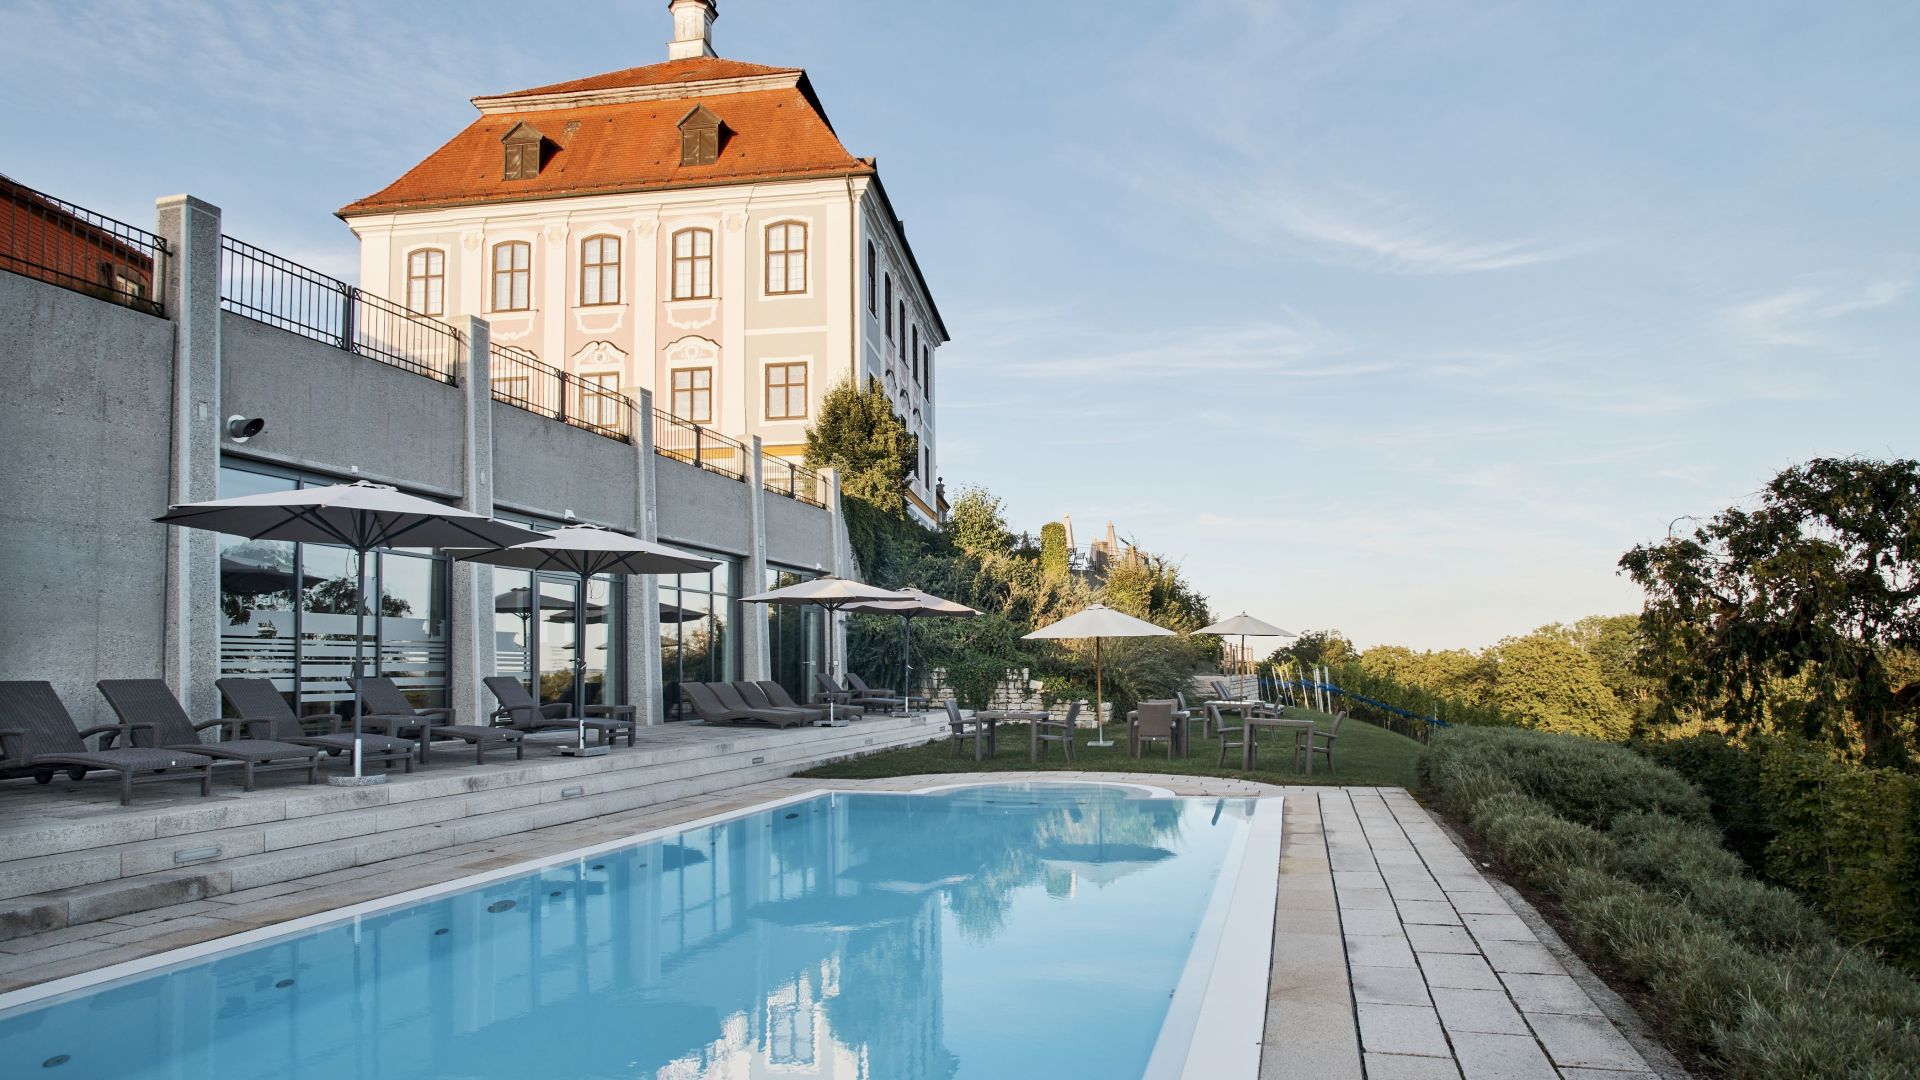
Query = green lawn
x=1366 y=755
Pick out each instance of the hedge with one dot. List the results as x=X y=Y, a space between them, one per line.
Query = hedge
x=1742 y=971
x=1844 y=836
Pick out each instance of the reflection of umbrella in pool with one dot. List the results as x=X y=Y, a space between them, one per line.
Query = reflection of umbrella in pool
x=1102 y=864
x=819 y=911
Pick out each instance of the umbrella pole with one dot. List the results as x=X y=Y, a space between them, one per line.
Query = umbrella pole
x=580 y=664
x=359 y=650
x=1099 y=699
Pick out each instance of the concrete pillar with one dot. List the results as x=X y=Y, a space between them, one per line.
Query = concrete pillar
x=643 y=591
x=843 y=566
x=470 y=651
x=756 y=660
x=192 y=288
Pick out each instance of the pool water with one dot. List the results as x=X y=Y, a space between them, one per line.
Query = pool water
x=989 y=932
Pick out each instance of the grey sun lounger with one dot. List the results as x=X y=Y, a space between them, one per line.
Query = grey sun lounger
x=151 y=702
x=39 y=738
x=708 y=707
x=256 y=699
x=777 y=695
x=756 y=696
x=390 y=713
x=522 y=713
x=867 y=699
x=731 y=698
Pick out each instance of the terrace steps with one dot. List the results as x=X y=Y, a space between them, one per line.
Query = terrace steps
x=78 y=862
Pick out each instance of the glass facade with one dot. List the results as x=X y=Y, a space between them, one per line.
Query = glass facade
x=794 y=636
x=697 y=614
x=538 y=618
x=287 y=610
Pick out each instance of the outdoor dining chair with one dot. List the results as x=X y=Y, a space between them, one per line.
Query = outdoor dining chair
x=1321 y=742
x=964 y=728
x=1049 y=731
x=1233 y=737
x=40 y=739
x=257 y=699
x=1152 y=722
x=150 y=704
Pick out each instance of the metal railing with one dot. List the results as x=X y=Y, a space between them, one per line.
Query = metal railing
x=783 y=476
x=520 y=379
x=280 y=292
x=698 y=446
x=62 y=244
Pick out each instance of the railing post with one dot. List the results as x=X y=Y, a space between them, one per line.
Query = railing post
x=696 y=447
x=793 y=481
x=561 y=415
x=350 y=297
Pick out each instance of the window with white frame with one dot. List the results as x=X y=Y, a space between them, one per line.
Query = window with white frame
x=786 y=258
x=692 y=398
x=787 y=391
x=693 y=264
x=513 y=276
x=427 y=281
x=599 y=270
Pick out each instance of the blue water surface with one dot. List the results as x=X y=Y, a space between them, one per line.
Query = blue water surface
x=995 y=933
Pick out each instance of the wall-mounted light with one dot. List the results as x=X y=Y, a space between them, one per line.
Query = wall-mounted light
x=241 y=428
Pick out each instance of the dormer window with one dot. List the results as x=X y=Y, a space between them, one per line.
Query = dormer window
x=700 y=137
x=523 y=147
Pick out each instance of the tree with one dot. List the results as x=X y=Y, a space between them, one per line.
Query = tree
x=858 y=434
x=1614 y=643
x=1787 y=616
x=1055 y=559
x=1553 y=684
x=977 y=522
x=1329 y=647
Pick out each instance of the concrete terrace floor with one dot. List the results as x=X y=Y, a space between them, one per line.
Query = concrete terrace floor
x=1394 y=957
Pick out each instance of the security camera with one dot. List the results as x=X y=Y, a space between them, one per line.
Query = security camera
x=242 y=428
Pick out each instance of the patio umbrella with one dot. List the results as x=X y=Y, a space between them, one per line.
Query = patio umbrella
x=1098 y=622
x=1244 y=626
x=588 y=550
x=361 y=516
x=829 y=594
x=922 y=603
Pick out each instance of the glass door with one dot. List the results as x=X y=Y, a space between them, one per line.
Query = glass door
x=559 y=629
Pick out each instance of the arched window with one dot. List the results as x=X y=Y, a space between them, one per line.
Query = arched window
x=873 y=277
x=889 y=306
x=902 y=350
x=786 y=258
x=599 y=270
x=914 y=353
x=693 y=264
x=512 y=276
x=427 y=281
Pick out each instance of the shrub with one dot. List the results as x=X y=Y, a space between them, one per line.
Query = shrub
x=1844 y=836
x=1744 y=971
x=1583 y=780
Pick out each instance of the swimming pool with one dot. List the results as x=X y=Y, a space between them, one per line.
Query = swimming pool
x=1005 y=931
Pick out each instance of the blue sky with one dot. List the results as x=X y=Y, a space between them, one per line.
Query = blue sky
x=1403 y=318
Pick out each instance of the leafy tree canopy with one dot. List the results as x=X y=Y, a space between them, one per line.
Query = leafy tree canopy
x=859 y=435
x=1795 y=615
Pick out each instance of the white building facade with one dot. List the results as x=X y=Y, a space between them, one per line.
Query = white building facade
x=694 y=228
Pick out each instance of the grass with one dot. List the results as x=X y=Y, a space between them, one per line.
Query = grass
x=1365 y=755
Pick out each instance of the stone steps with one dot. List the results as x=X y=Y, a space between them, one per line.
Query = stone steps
x=68 y=867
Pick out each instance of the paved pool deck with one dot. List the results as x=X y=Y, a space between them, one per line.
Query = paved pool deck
x=1394 y=956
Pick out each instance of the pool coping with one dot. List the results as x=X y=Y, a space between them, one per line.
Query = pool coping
x=1221 y=1010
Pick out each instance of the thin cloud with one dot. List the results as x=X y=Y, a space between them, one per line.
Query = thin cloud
x=1795 y=318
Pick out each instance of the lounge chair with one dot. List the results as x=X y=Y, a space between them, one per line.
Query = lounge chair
x=707 y=706
x=151 y=702
x=756 y=696
x=963 y=728
x=256 y=699
x=38 y=738
x=522 y=713
x=1222 y=691
x=868 y=695
x=390 y=713
x=830 y=690
x=781 y=699
x=731 y=698
x=1152 y=722
x=1045 y=732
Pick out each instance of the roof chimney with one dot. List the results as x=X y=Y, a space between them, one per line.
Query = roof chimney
x=692 y=29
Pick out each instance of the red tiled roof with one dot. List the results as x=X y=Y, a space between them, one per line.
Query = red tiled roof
x=626 y=146
x=698 y=69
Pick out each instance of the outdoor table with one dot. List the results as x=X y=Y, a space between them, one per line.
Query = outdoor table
x=1181 y=719
x=1298 y=727
x=992 y=718
x=616 y=712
